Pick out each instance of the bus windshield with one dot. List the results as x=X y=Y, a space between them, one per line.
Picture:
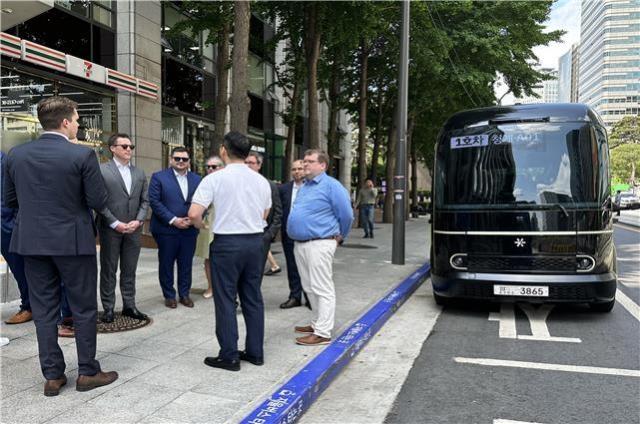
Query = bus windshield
x=537 y=165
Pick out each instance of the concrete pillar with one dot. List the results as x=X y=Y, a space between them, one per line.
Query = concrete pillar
x=139 y=54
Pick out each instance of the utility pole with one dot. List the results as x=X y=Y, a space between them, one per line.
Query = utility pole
x=400 y=178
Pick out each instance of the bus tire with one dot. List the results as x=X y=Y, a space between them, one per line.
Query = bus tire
x=602 y=307
x=440 y=300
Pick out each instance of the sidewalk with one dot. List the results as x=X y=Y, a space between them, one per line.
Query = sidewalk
x=162 y=375
x=629 y=217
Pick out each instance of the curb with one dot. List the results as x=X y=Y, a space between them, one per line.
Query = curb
x=293 y=398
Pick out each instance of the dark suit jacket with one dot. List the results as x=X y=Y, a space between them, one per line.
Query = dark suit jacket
x=285 y=190
x=274 y=219
x=54 y=184
x=8 y=214
x=165 y=198
x=122 y=206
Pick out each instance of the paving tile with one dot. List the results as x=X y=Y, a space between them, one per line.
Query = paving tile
x=88 y=413
x=154 y=350
x=136 y=397
x=198 y=408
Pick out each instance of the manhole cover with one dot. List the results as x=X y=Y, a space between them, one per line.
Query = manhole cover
x=122 y=323
x=358 y=246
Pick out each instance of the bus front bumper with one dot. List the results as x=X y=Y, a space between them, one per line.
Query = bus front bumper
x=575 y=288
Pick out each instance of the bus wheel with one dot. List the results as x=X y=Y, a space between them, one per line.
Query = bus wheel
x=602 y=306
x=440 y=300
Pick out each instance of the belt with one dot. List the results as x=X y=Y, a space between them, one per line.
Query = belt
x=314 y=239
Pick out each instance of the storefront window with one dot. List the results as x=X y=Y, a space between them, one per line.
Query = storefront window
x=20 y=94
x=199 y=141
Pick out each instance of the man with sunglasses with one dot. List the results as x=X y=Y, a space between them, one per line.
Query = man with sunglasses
x=170 y=193
x=120 y=227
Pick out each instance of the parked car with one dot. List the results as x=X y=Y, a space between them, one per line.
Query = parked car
x=629 y=201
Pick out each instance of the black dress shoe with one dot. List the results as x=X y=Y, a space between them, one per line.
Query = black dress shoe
x=107 y=316
x=291 y=303
x=225 y=364
x=134 y=313
x=253 y=359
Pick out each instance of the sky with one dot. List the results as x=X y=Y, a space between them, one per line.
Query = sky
x=565 y=15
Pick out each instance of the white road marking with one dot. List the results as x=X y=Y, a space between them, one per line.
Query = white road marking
x=537 y=321
x=506 y=321
x=628 y=304
x=503 y=421
x=546 y=366
x=629 y=282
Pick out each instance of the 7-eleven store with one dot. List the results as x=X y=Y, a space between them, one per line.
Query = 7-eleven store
x=31 y=72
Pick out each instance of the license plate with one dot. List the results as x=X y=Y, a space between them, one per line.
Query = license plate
x=530 y=291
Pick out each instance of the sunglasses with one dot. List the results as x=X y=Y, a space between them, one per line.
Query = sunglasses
x=180 y=159
x=213 y=166
x=126 y=146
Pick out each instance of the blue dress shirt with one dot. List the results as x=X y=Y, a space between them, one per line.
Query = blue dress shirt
x=322 y=209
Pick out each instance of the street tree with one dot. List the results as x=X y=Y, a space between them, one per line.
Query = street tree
x=625 y=131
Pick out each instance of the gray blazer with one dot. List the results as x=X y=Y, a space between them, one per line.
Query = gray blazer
x=120 y=205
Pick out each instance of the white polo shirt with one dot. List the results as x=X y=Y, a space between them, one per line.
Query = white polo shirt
x=240 y=196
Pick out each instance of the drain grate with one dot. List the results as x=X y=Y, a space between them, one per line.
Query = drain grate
x=122 y=323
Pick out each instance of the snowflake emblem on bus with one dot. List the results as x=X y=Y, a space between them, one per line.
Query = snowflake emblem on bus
x=520 y=242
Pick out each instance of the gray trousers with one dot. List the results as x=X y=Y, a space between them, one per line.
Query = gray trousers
x=124 y=248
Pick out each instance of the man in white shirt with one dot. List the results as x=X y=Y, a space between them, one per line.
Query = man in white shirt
x=120 y=227
x=242 y=199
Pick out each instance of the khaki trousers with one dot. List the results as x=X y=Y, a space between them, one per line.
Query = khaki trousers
x=315 y=265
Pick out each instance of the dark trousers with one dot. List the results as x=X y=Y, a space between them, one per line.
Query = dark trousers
x=295 y=286
x=174 y=248
x=237 y=262
x=16 y=265
x=79 y=274
x=124 y=248
x=366 y=219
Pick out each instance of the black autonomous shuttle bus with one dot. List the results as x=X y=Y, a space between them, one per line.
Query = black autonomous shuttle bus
x=522 y=207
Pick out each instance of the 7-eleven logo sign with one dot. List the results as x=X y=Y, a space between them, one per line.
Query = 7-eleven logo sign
x=88 y=69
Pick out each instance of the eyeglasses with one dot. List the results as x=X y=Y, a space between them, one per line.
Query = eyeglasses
x=125 y=146
x=309 y=161
x=213 y=166
x=180 y=159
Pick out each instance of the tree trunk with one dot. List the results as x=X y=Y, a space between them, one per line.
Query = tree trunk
x=377 y=143
x=291 y=131
x=239 y=103
x=362 y=118
x=332 y=136
x=312 y=53
x=391 y=156
x=222 y=70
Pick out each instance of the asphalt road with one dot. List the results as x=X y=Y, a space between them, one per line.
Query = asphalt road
x=492 y=364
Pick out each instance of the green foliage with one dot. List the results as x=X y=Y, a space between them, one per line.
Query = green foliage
x=625 y=162
x=625 y=131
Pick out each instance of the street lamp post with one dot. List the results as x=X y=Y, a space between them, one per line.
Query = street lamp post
x=399 y=179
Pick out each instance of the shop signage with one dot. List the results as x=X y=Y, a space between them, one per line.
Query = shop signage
x=122 y=81
x=10 y=45
x=85 y=69
x=44 y=56
x=31 y=52
x=148 y=89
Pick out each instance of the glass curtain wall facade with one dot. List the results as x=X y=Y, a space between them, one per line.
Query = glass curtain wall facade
x=609 y=76
x=84 y=29
x=188 y=90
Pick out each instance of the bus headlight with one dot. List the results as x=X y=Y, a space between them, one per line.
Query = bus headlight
x=584 y=263
x=458 y=261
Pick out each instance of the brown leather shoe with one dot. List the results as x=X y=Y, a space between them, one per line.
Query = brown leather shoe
x=307 y=329
x=21 y=317
x=312 y=340
x=66 y=331
x=186 y=301
x=171 y=303
x=52 y=387
x=84 y=383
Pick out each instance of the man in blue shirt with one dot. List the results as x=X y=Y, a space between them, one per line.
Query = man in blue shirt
x=320 y=219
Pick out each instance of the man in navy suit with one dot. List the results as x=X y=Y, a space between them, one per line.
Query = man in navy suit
x=170 y=193
x=288 y=193
x=54 y=183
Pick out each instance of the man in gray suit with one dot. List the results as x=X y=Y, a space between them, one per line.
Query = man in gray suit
x=120 y=225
